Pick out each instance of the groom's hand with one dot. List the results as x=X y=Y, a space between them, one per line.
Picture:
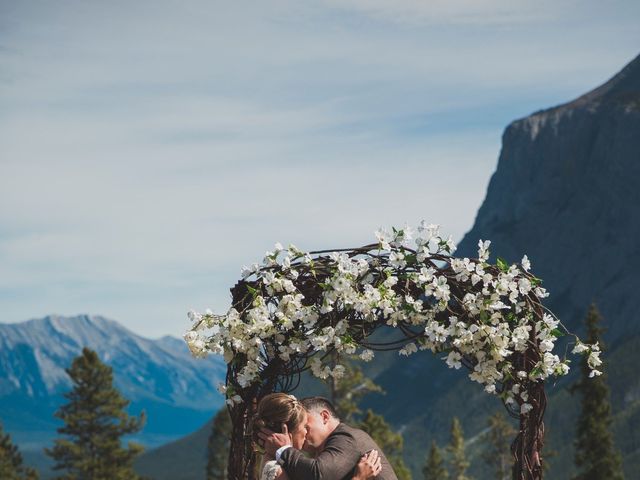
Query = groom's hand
x=272 y=441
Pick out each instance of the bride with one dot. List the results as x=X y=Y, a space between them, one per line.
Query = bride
x=278 y=411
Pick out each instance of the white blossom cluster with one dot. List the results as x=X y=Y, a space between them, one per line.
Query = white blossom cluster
x=477 y=313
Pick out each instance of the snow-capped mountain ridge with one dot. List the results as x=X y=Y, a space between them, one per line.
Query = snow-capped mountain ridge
x=156 y=375
x=55 y=340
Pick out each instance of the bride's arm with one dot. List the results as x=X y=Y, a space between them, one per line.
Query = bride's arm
x=368 y=467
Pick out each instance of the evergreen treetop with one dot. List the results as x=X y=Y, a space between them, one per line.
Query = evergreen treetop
x=595 y=454
x=390 y=442
x=457 y=455
x=94 y=422
x=11 y=466
x=218 y=447
x=348 y=391
x=434 y=468
x=499 y=437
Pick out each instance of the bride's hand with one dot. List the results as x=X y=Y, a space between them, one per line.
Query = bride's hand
x=271 y=441
x=369 y=466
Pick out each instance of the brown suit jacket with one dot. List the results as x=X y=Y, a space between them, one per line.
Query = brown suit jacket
x=338 y=459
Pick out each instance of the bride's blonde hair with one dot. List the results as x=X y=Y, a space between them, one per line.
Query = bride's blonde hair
x=274 y=410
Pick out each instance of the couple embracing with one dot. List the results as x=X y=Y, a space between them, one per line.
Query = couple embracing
x=305 y=440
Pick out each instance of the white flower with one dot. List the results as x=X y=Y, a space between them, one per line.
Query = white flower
x=524 y=286
x=196 y=344
x=426 y=274
x=594 y=373
x=248 y=271
x=367 y=355
x=268 y=277
x=594 y=359
x=384 y=237
x=449 y=245
x=562 y=369
x=319 y=370
x=579 y=348
x=520 y=337
x=453 y=360
x=408 y=349
x=541 y=292
x=441 y=291
x=338 y=372
x=483 y=250
x=525 y=408
x=546 y=345
x=396 y=259
x=235 y=399
x=526 y=264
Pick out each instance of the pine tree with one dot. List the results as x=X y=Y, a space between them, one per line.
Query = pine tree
x=595 y=456
x=499 y=437
x=435 y=469
x=458 y=458
x=390 y=443
x=94 y=420
x=219 y=444
x=11 y=467
x=348 y=391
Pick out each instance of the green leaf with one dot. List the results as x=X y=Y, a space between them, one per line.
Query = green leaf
x=557 y=333
x=502 y=264
x=535 y=281
x=536 y=371
x=252 y=291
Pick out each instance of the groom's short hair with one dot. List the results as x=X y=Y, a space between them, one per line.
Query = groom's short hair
x=315 y=404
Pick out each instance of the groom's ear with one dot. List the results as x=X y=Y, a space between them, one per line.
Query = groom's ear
x=326 y=415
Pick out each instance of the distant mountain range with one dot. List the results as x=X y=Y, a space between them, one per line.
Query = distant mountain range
x=177 y=391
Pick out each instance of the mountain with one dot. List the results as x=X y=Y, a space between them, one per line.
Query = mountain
x=566 y=193
x=177 y=391
x=183 y=459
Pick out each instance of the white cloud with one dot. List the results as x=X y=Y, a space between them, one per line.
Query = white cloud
x=150 y=149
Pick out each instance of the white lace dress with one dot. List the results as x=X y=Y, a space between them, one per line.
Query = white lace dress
x=270 y=470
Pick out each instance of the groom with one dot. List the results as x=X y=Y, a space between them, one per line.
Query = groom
x=337 y=447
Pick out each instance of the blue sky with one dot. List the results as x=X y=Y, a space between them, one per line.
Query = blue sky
x=149 y=149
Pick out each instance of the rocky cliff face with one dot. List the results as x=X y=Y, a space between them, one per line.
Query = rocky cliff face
x=567 y=193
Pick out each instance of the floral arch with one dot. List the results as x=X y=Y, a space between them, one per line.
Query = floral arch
x=295 y=310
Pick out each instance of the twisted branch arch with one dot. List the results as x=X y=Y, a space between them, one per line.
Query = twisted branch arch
x=296 y=309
